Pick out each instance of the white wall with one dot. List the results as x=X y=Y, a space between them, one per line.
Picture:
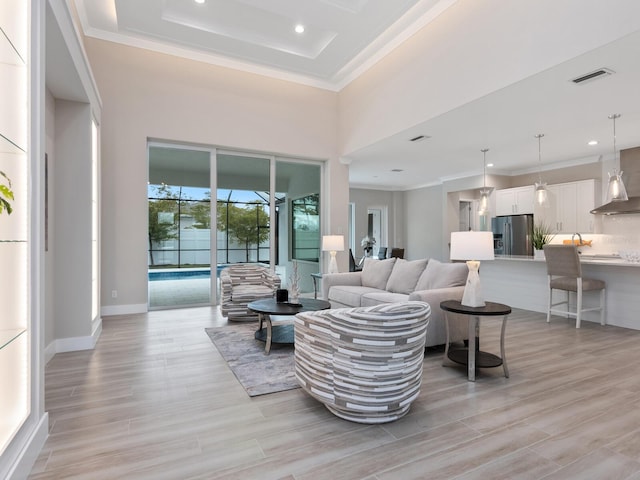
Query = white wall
x=424 y=223
x=151 y=95
x=48 y=311
x=413 y=84
x=71 y=214
x=393 y=201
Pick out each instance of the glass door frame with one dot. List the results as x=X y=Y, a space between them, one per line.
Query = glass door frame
x=212 y=179
x=213 y=185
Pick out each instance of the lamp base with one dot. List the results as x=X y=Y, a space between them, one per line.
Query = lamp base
x=472 y=296
x=333 y=265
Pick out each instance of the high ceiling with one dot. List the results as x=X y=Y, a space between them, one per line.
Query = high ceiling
x=343 y=38
x=340 y=36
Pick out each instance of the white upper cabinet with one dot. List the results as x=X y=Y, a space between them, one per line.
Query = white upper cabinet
x=569 y=207
x=514 y=201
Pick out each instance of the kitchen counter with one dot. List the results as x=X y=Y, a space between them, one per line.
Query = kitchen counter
x=586 y=259
x=522 y=282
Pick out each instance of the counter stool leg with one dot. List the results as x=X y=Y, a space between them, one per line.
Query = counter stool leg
x=504 y=358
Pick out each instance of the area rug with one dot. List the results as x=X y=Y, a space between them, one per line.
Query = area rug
x=258 y=373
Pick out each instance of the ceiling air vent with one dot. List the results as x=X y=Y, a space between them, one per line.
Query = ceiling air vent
x=418 y=138
x=592 y=75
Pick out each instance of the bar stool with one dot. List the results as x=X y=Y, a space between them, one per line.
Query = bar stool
x=565 y=273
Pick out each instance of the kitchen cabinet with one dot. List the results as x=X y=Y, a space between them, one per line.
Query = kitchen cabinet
x=514 y=201
x=569 y=207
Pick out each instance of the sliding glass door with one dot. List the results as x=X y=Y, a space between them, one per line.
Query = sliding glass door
x=179 y=229
x=266 y=210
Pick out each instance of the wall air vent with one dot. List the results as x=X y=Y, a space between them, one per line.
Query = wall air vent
x=592 y=75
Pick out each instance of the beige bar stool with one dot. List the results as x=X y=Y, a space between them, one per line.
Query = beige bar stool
x=565 y=273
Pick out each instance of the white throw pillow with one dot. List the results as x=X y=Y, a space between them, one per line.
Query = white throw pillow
x=375 y=273
x=442 y=275
x=405 y=275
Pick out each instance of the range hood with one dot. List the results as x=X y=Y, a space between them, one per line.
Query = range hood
x=630 y=165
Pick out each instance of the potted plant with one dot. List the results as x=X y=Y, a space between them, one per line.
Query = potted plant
x=541 y=236
x=6 y=194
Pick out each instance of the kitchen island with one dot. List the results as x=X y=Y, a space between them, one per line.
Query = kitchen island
x=522 y=283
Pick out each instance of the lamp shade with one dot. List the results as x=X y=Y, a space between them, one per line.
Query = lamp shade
x=332 y=243
x=472 y=246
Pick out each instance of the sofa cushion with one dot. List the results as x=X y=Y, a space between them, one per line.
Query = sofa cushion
x=375 y=273
x=442 y=275
x=405 y=275
x=379 y=298
x=350 y=295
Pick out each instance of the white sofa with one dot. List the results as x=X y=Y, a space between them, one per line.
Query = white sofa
x=398 y=280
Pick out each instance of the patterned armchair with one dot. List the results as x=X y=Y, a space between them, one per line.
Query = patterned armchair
x=241 y=284
x=365 y=363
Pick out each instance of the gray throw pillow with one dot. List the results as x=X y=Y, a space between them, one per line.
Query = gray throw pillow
x=375 y=273
x=405 y=275
x=442 y=275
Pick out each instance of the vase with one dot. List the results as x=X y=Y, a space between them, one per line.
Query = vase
x=538 y=254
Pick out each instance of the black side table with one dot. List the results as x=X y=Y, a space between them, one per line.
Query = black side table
x=472 y=356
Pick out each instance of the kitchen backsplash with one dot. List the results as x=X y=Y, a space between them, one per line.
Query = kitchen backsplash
x=621 y=232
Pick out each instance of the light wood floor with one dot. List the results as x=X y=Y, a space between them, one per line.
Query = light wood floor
x=155 y=400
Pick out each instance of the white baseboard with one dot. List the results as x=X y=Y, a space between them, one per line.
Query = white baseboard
x=123 y=309
x=49 y=352
x=73 y=344
x=29 y=454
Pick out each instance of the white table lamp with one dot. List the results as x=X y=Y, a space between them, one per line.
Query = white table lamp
x=472 y=247
x=333 y=244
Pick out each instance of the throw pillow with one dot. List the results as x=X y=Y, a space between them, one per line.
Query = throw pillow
x=442 y=275
x=405 y=275
x=375 y=273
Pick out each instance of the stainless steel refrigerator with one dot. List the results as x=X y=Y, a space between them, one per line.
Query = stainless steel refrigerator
x=512 y=235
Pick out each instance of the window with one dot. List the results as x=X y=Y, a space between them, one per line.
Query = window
x=305 y=228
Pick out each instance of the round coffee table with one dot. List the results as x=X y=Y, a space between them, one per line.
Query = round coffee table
x=267 y=307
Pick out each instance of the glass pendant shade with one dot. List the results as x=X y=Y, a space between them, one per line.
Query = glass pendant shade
x=616 y=192
x=485 y=192
x=542 y=194
x=483 y=208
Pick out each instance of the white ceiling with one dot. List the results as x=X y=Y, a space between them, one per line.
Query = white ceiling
x=341 y=36
x=345 y=37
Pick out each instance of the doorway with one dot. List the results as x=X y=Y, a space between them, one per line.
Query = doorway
x=377 y=227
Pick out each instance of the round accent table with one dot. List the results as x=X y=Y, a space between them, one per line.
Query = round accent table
x=472 y=356
x=267 y=307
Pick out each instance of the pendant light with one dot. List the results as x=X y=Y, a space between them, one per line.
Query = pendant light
x=616 y=191
x=541 y=187
x=485 y=192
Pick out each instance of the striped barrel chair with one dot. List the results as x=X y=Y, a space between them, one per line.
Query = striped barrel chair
x=243 y=283
x=364 y=363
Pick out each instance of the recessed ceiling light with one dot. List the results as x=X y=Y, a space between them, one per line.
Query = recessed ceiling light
x=199 y=1
x=489 y=165
x=299 y=28
x=593 y=142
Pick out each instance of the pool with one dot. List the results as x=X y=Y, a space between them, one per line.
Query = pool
x=183 y=274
